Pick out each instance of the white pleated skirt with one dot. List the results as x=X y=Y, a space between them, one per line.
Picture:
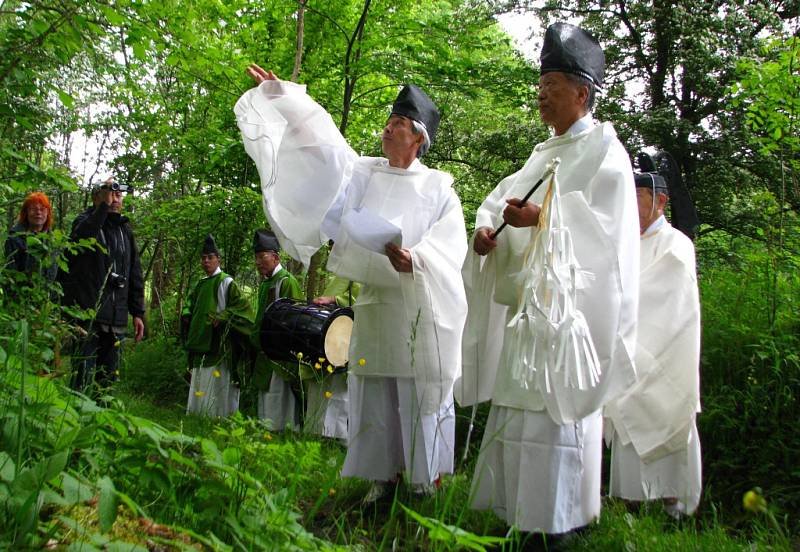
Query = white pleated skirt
x=388 y=435
x=211 y=392
x=537 y=475
x=678 y=475
x=327 y=415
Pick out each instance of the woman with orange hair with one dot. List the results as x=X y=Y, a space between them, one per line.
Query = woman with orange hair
x=35 y=216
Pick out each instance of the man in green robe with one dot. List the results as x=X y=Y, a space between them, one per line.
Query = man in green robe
x=217 y=320
x=277 y=383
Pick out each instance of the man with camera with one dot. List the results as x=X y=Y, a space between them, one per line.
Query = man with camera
x=107 y=279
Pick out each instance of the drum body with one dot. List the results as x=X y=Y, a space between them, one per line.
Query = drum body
x=289 y=327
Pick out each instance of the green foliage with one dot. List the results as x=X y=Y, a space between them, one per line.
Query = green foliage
x=750 y=372
x=155 y=367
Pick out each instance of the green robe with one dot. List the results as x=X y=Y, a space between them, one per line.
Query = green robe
x=207 y=345
x=345 y=291
x=263 y=367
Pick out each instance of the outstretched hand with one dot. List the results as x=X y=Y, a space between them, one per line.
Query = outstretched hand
x=259 y=75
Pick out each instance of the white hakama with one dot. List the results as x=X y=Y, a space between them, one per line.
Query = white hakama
x=538 y=475
x=381 y=409
x=677 y=475
x=211 y=395
x=279 y=405
x=327 y=416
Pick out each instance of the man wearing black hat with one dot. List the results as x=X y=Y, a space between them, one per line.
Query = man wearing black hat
x=398 y=229
x=552 y=304
x=217 y=318
x=276 y=400
x=108 y=280
x=655 y=450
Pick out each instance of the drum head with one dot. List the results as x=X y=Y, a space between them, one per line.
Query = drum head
x=337 y=340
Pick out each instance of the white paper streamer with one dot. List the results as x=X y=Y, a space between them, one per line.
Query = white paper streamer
x=551 y=344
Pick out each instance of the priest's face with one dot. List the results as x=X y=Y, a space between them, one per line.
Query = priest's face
x=209 y=262
x=561 y=101
x=266 y=261
x=398 y=138
x=649 y=210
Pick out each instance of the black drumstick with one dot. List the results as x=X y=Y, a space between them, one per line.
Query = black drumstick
x=550 y=169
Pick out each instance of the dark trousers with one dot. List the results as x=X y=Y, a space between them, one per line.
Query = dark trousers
x=95 y=360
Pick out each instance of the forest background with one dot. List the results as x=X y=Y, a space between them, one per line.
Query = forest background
x=152 y=83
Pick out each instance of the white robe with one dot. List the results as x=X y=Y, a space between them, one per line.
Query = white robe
x=406 y=325
x=211 y=391
x=327 y=407
x=539 y=465
x=655 y=446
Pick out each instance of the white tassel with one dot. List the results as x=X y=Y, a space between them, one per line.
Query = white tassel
x=550 y=335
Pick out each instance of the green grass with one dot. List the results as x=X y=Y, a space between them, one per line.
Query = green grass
x=331 y=506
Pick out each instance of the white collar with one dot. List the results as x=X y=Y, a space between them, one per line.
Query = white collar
x=655 y=227
x=581 y=124
x=278 y=268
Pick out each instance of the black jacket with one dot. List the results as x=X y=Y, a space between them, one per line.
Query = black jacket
x=19 y=258
x=109 y=281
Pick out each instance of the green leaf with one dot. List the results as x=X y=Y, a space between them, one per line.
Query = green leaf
x=65 y=98
x=75 y=491
x=112 y=16
x=56 y=464
x=231 y=456
x=107 y=504
x=7 y=468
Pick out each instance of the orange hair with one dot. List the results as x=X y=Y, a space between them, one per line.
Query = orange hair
x=36 y=198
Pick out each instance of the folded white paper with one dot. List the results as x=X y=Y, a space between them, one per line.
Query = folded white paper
x=371 y=231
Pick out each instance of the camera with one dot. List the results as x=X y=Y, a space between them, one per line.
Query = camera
x=114 y=187
x=117 y=280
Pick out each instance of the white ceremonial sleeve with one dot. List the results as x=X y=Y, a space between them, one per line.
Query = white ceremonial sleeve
x=434 y=299
x=657 y=413
x=302 y=159
x=482 y=342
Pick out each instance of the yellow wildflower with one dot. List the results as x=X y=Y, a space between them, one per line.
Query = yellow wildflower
x=299 y=356
x=331 y=491
x=318 y=366
x=268 y=437
x=321 y=359
x=116 y=343
x=116 y=372
x=362 y=362
x=216 y=373
x=199 y=393
x=330 y=369
x=753 y=501
x=328 y=394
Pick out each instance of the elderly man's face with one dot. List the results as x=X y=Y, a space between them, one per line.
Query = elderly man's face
x=649 y=210
x=266 y=261
x=398 y=138
x=561 y=102
x=209 y=262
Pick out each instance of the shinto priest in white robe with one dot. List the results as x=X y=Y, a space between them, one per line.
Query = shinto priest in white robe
x=401 y=406
x=540 y=460
x=655 y=445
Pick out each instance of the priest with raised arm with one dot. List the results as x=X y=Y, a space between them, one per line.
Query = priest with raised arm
x=409 y=316
x=552 y=304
